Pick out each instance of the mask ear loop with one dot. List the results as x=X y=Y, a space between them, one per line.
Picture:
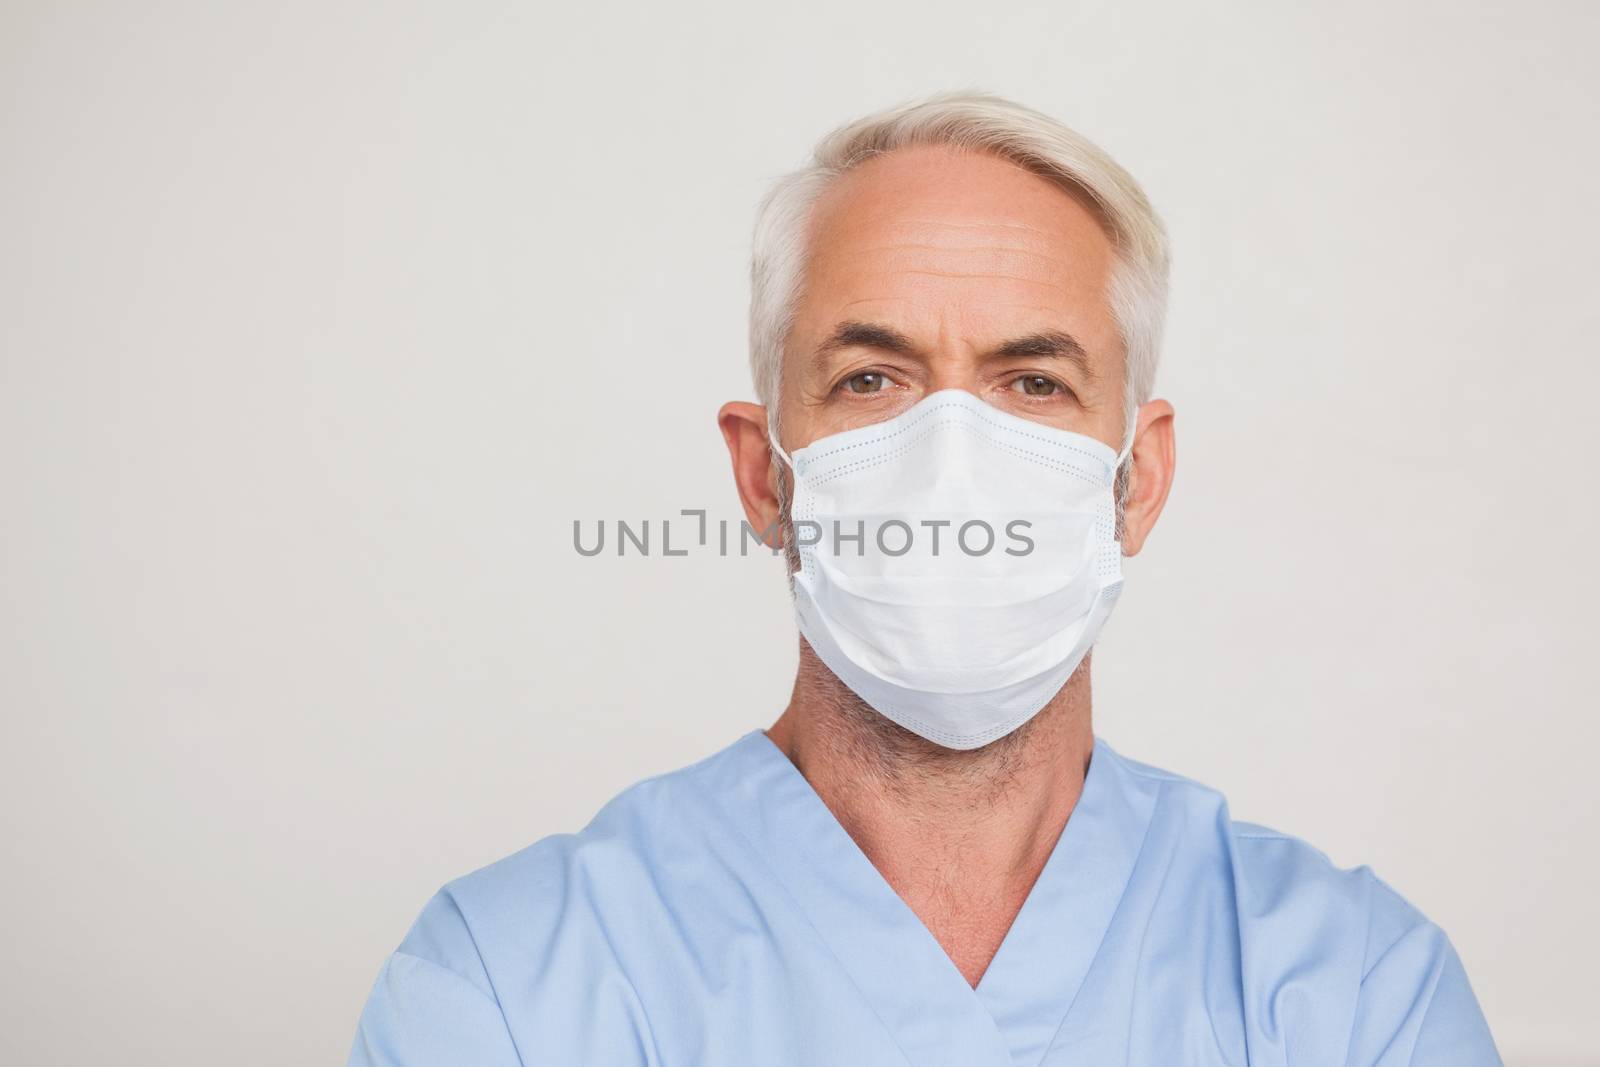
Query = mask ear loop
x=777 y=449
x=794 y=477
x=1127 y=444
x=1118 y=477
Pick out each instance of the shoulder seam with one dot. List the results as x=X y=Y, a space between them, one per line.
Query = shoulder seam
x=494 y=994
x=401 y=953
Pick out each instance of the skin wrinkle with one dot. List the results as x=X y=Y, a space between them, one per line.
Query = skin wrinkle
x=987 y=247
x=925 y=243
x=1044 y=344
x=963 y=276
x=953 y=224
x=990 y=259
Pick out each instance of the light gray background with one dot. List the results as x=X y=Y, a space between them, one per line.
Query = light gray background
x=323 y=321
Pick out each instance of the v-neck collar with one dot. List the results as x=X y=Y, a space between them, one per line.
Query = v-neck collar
x=918 y=993
x=1035 y=977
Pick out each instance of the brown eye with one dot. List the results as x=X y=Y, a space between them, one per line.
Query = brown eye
x=865 y=382
x=1036 y=385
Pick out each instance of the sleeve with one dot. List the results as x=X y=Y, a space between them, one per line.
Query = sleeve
x=1454 y=1030
x=433 y=1004
x=1416 y=1008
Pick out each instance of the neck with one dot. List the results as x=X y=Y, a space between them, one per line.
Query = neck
x=960 y=836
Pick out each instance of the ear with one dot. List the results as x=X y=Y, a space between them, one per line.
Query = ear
x=1150 y=477
x=744 y=428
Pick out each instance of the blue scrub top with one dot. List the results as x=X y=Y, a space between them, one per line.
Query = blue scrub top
x=720 y=915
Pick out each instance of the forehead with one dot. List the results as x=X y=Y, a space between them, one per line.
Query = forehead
x=965 y=237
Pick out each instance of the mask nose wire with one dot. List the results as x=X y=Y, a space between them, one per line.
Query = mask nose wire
x=1122 y=456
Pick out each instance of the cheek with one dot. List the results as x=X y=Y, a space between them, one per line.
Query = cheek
x=804 y=411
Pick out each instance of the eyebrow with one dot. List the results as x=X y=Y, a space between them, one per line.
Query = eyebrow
x=864 y=335
x=1046 y=344
x=1049 y=344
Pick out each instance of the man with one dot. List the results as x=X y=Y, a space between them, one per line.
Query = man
x=928 y=858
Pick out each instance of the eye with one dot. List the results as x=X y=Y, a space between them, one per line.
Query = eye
x=865 y=382
x=1036 y=385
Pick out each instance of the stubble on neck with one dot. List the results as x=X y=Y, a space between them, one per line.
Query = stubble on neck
x=859 y=759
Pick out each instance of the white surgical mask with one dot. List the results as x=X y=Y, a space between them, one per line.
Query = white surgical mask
x=956 y=562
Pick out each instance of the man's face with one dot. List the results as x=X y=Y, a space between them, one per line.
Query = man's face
x=930 y=269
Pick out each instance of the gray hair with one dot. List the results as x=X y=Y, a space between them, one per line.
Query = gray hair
x=976 y=122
